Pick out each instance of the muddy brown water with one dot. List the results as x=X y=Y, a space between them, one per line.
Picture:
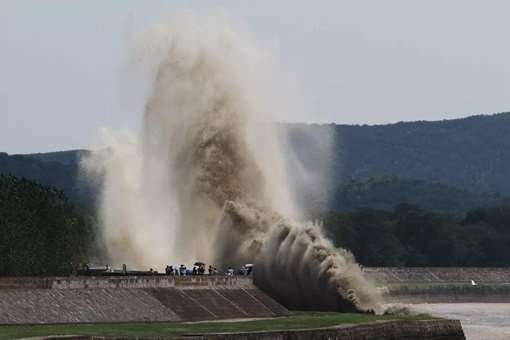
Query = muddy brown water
x=479 y=320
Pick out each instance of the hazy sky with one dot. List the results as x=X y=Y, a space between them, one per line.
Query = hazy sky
x=63 y=63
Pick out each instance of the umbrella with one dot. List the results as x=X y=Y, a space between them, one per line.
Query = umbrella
x=248 y=265
x=199 y=264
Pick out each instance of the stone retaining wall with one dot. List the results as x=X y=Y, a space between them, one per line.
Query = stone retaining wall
x=437 y=274
x=448 y=294
x=132 y=299
x=157 y=281
x=441 y=284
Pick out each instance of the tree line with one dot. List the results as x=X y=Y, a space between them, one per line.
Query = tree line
x=41 y=231
x=411 y=236
x=44 y=233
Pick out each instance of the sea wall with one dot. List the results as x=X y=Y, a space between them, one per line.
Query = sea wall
x=156 y=281
x=447 y=293
x=132 y=299
x=442 y=285
x=438 y=274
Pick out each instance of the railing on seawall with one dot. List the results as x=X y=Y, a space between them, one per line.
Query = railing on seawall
x=159 y=281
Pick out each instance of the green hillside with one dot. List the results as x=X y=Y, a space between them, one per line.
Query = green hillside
x=446 y=166
x=386 y=192
x=472 y=153
x=415 y=237
x=41 y=232
x=52 y=170
x=406 y=194
x=70 y=157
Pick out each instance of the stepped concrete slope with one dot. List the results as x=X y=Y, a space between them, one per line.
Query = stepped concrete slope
x=438 y=274
x=132 y=299
x=441 y=284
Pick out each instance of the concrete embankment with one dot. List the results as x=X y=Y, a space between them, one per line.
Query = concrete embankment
x=132 y=299
x=442 y=285
x=447 y=293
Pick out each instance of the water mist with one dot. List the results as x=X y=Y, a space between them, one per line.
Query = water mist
x=206 y=179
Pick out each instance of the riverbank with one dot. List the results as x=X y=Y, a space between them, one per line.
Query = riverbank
x=441 y=284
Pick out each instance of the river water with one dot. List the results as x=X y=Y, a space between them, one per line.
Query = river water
x=487 y=321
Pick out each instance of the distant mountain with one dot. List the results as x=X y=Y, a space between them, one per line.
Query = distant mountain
x=55 y=169
x=471 y=153
x=450 y=163
x=70 y=157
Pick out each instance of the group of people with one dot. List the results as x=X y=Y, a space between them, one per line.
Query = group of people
x=199 y=268
x=244 y=270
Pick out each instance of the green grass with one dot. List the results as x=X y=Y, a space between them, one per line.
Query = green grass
x=296 y=321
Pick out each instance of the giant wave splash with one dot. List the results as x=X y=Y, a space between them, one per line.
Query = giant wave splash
x=206 y=179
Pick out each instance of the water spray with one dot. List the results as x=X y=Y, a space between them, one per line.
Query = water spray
x=206 y=179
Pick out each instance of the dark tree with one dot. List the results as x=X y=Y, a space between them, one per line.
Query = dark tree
x=41 y=232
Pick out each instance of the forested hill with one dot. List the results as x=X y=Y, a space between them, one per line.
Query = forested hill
x=71 y=157
x=405 y=194
x=42 y=232
x=386 y=192
x=471 y=153
x=55 y=169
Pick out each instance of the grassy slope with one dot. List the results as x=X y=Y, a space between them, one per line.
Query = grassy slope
x=299 y=320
